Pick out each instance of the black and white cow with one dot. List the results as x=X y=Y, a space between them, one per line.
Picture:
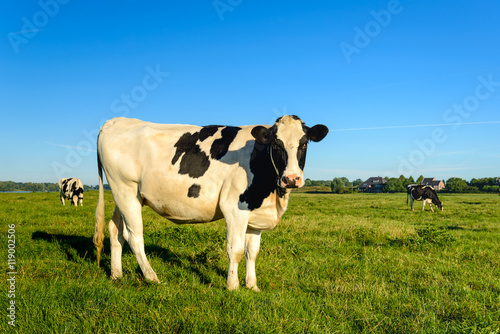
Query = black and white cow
x=72 y=189
x=426 y=194
x=192 y=174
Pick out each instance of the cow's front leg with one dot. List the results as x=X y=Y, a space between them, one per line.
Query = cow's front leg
x=252 y=247
x=62 y=200
x=235 y=249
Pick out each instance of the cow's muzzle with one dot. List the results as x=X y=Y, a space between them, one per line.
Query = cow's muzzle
x=291 y=181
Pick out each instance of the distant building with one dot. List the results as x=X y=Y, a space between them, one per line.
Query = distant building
x=431 y=181
x=372 y=185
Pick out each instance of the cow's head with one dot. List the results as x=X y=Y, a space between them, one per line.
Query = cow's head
x=287 y=143
x=431 y=193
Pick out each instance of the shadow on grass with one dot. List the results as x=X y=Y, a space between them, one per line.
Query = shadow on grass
x=79 y=248
x=202 y=263
x=73 y=245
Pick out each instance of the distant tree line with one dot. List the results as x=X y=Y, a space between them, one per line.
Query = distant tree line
x=399 y=184
x=458 y=185
x=338 y=185
x=341 y=185
x=39 y=187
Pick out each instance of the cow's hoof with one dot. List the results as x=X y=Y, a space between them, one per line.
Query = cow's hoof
x=116 y=276
x=254 y=288
x=233 y=287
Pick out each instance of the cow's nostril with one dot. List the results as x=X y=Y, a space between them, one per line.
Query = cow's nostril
x=291 y=181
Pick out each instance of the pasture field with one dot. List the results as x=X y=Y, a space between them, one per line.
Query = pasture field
x=361 y=263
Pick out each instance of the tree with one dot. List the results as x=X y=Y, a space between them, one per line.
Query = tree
x=394 y=185
x=409 y=181
x=338 y=186
x=491 y=189
x=420 y=179
x=483 y=184
x=357 y=182
x=345 y=180
x=456 y=185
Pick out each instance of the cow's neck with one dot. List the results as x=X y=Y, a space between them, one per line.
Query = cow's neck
x=264 y=181
x=282 y=202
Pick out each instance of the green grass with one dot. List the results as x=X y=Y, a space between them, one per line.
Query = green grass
x=361 y=263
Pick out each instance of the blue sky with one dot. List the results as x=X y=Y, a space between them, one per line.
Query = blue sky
x=369 y=70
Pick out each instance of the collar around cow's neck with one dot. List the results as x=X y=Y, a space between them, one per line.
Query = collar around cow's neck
x=270 y=151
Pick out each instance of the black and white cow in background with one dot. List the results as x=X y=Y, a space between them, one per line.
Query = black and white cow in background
x=72 y=189
x=192 y=174
x=426 y=194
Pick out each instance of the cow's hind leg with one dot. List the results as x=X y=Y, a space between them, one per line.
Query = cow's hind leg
x=116 y=240
x=131 y=209
x=252 y=246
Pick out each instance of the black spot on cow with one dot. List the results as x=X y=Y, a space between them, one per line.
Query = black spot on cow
x=194 y=161
x=279 y=155
x=194 y=191
x=78 y=191
x=264 y=180
x=301 y=152
x=221 y=146
x=208 y=131
x=65 y=185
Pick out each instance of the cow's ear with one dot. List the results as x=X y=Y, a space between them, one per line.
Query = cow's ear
x=317 y=132
x=262 y=134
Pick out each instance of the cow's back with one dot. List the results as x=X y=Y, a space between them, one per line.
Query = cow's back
x=181 y=171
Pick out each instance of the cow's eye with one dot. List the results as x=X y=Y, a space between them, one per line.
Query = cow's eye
x=303 y=147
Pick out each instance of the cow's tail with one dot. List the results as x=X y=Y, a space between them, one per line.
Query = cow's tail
x=99 y=212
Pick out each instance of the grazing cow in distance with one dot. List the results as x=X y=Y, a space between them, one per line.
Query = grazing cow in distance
x=426 y=194
x=193 y=174
x=71 y=188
